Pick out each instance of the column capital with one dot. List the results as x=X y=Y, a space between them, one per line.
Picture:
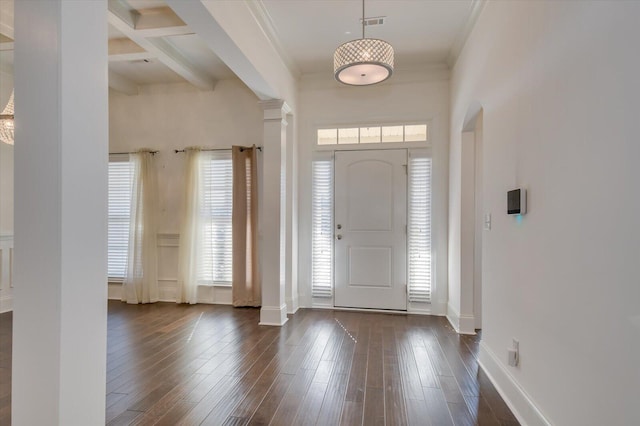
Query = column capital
x=275 y=109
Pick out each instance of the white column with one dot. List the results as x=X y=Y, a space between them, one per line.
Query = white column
x=291 y=237
x=61 y=155
x=272 y=214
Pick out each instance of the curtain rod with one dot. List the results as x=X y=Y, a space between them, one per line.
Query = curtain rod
x=259 y=148
x=133 y=152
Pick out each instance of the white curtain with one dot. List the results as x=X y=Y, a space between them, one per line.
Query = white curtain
x=141 y=279
x=190 y=237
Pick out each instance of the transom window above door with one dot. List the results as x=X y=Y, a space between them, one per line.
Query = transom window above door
x=373 y=134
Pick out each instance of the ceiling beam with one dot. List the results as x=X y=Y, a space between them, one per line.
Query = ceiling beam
x=122 y=84
x=164 y=31
x=124 y=49
x=124 y=14
x=125 y=21
x=8 y=45
x=201 y=20
x=120 y=49
x=6 y=19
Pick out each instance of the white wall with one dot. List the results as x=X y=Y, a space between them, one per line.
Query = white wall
x=409 y=96
x=558 y=84
x=174 y=116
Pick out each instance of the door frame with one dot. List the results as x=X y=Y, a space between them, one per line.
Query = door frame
x=438 y=235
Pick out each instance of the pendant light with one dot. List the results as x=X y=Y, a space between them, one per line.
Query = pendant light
x=6 y=122
x=363 y=61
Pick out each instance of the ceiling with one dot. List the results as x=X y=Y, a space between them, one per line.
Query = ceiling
x=162 y=49
x=420 y=31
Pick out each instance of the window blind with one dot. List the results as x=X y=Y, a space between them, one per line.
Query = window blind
x=322 y=228
x=419 y=228
x=120 y=188
x=216 y=213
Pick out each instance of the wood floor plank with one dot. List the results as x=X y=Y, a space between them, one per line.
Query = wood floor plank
x=125 y=418
x=468 y=385
x=424 y=365
x=173 y=415
x=310 y=407
x=494 y=400
x=358 y=376
x=374 y=367
x=201 y=410
x=271 y=401
x=481 y=412
x=418 y=413
x=451 y=390
x=411 y=382
x=242 y=403
x=374 y=406
x=461 y=415
x=112 y=398
x=331 y=409
x=352 y=413
x=167 y=401
x=292 y=400
x=395 y=408
x=436 y=356
x=438 y=409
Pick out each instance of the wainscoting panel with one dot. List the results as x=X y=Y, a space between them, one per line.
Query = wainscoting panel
x=6 y=273
x=168 y=245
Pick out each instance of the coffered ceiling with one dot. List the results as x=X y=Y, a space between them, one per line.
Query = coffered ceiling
x=149 y=43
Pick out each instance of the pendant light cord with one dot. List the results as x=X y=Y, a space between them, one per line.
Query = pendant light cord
x=362 y=18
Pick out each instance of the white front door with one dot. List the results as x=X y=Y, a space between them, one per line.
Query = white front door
x=370 y=221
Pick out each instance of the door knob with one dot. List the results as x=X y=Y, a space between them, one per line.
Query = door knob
x=339 y=236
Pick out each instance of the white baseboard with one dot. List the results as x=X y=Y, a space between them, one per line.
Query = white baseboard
x=6 y=304
x=273 y=315
x=214 y=295
x=211 y=295
x=462 y=324
x=292 y=306
x=511 y=392
x=434 y=308
x=114 y=291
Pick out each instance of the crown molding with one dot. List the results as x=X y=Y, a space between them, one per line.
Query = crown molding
x=6 y=19
x=265 y=22
x=474 y=13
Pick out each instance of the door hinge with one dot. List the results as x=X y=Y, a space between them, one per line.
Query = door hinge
x=406 y=169
x=406 y=229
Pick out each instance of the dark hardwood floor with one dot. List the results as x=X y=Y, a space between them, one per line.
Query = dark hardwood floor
x=6 y=322
x=173 y=364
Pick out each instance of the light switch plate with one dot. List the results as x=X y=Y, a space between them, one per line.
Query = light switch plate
x=487 y=222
